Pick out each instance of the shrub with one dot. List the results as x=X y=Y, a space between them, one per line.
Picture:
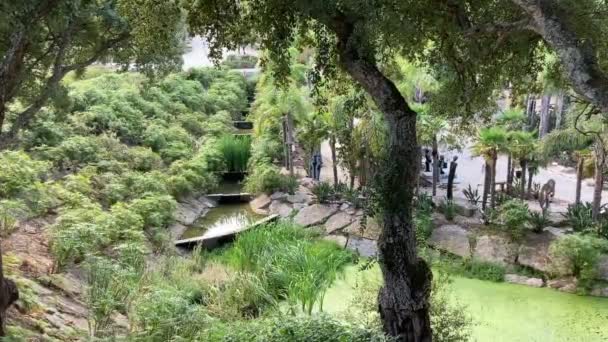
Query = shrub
x=156 y=210
x=292 y=263
x=449 y=209
x=513 y=215
x=292 y=329
x=538 y=220
x=19 y=173
x=484 y=270
x=577 y=255
x=143 y=159
x=579 y=216
x=265 y=178
x=240 y=61
x=323 y=191
x=424 y=226
x=236 y=150
x=11 y=211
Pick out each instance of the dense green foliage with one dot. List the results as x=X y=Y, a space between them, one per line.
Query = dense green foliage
x=577 y=255
x=290 y=262
x=236 y=150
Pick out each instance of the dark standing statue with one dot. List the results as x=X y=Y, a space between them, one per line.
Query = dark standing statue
x=451 y=176
x=427 y=160
x=315 y=166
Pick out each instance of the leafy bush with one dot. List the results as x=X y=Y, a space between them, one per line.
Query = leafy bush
x=484 y=270
x=424 y=226
x=449 y=209
x=292 y=329
x=577 y=255
x=291 y=262
x=265 y=178
x=11 y=211
x=513 y=215
x=143 y=159
x=236 y=150
x=323 y=191
x=538 y=220
x=19 y=173
x=579 y=216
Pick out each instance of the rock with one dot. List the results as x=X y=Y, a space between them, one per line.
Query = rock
x=64 y=282
x=177 y=230
x=313 y=215
x=359 y=213
x=299 y=197
x=307 y=182
x=602 y=267
x=338 y=239
x=280 y=208
x=599 y=291
x=299 y=206
x=518 y=279
x=467 y=222
x=278 y=196
x=568 y=284
x=453 y=239
x=260 y=204
x=534 y=251
x=337 y=221
x=187 y=213
x=558 y=232
x=495 y=249
x=351 y=211
x=370 y=231
x=344 y=206
x=364 y=247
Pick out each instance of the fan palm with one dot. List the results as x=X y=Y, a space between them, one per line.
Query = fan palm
x=511 y=119
x=522 y=147
x=490 y=141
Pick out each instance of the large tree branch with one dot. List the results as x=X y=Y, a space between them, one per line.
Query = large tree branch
x=500 y=28
x=578 y=57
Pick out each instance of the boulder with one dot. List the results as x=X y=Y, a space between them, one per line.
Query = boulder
x=299 y=206
x=557 y=232
x=453 y=239
x=523 y=280
x=299 y=197
x=278 y=196
x=344 y=206
x=599 y=291
x=338 y=239
x=307 y=182
x=188 y=212
x=534 y=251
x=314 y=215
x=602 y=267
x=466 y=221
x=337 y=222
x=370 y=231
x=495 y=249
x=280 y=208
x=364 y=247
x=563 y=284
x=260 y=204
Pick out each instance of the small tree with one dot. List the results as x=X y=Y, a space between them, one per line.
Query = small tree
x=522 y=147
x=489 y=142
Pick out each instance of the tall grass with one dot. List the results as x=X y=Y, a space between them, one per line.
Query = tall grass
x=236 y=150
x=293 y=263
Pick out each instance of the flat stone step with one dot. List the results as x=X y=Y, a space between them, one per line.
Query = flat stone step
x=212 y=238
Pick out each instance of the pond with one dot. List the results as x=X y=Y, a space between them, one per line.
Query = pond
x=506 y=312
x=226 y=216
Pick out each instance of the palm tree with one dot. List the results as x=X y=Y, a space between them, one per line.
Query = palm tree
x=522 y=147
x=489 y=142
x=572 y=142
x=511 y=119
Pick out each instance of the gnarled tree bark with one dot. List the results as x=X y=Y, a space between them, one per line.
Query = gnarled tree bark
x=8 y=295
x=404 y=298
x=577 y=56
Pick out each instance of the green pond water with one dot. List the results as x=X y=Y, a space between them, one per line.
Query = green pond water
x=225 y=216
x=508 y=312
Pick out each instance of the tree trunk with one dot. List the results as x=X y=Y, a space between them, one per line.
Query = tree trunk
x=580 y=165
x=509 y=173
x=531 y=172
x=334 y=162
x=559 y=109
x=599 y=181
x=531 y=113
x=493 y=182
x=544 y=115
x=451 y=175
x=9 y=293
x=435 y=155
x=577 y=56
x=289 y=121
x=522 y=187
x=404 y=298
x=486 y=185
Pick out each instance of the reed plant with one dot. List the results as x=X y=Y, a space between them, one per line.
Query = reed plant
x=236 y=150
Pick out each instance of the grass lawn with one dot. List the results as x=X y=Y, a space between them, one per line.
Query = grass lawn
x=506 y=312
